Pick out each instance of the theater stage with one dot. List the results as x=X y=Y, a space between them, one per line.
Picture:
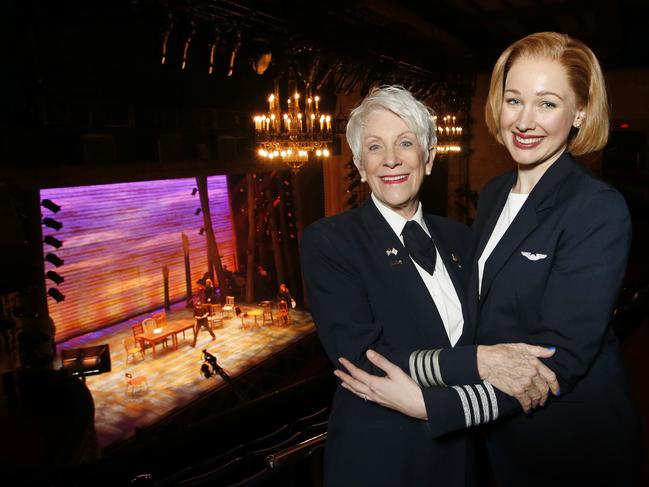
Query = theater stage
x=174 y=377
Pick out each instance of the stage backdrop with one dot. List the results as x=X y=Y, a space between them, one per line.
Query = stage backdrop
x=116 y=239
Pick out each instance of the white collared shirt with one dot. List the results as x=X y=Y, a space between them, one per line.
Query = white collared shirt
x=439 y=285
x=514 y=203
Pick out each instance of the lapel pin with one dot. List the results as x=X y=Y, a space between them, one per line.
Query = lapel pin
x=456 y=260
x=397 y=262
x=391 y=251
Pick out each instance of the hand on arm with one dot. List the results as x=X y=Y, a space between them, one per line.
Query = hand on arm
x=515 y=369
x=395 y=391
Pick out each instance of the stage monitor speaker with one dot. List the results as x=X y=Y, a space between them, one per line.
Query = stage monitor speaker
x=86 y=361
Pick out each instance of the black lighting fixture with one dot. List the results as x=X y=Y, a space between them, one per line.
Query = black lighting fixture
x=201 y=231
x=236 y=44
x=53 y=259
x=261 y=55
x=54 y=276
x=211 y=368
x=55 y=294
x=50 y=205
x=197 y=212
x=54 y=242
x=194 y=191
x=52 y=223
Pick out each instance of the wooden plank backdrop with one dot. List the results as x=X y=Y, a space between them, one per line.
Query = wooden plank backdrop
x=116 y=239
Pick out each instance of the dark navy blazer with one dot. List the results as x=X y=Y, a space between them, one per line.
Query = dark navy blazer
x=553 y=280
x=363 y=295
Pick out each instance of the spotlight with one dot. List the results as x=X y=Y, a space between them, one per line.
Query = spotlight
x=261 y=62
x=216 y=40
x=55 y=294
x=54 y=242
x=261 y=56
x=53 y=259
x=194 y=191
x=210 y=367
x=236 y=44
x=54 y=276
x=197 y=212
x=52 y=223
x=50 y=205
x=188 y=41
x=201 y=231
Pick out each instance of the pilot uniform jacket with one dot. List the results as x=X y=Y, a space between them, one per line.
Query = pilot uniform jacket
x=553 y=280
x=365 y=293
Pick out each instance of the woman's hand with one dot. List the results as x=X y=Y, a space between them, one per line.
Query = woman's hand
x=395 y=391
x=515 y=369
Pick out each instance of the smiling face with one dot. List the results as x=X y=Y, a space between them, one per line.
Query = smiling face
x=538 y=111
x=392 y=161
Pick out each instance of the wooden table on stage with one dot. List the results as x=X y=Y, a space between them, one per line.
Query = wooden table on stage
x=255 y=313
x=161 y=334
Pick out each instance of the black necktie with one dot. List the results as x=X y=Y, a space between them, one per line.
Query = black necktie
x=420 y=246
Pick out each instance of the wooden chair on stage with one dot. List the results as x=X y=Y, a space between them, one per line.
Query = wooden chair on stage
x=150 y=324
x=284 y=313
x=216 y=316
x=132 y=347
x=267 y=313
x=136 y=384
x=137 y=330
x=229 y=306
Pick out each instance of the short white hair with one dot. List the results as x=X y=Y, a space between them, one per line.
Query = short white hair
x=396 y=99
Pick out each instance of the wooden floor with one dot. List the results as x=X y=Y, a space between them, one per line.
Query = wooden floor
x=174 y=377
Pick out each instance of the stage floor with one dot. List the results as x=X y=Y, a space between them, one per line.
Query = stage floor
x=174 y=377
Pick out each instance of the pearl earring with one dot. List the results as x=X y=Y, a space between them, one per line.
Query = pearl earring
x=363 y=180
x=427 y=173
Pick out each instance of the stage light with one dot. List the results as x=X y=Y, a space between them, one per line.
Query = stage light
x=194 y=191
x=216 y=40
x=55 y=294
x=54 y=242
x=201 y=231
x=188 y=41
x=261 y=56
x=261 y=62
x=50 y=205
x=197 y=212
x=54 y=276
x=52 y=223
x=53 y=259
x=236 y=44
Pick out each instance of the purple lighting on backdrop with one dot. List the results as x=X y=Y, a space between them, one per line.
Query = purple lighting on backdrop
x=116 y=239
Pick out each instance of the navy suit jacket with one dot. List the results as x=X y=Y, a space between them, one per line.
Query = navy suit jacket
x=553 y=280
x=363 y=297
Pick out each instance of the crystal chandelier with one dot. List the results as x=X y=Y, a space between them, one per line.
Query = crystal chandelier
x=449 y=135
x=294 y=135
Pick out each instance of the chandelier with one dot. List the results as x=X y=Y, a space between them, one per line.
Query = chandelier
x=294 y=135
x=449 y=135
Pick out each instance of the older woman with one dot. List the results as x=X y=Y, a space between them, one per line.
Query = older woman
x=375 y=279
x=551 y=249
x=387 y=277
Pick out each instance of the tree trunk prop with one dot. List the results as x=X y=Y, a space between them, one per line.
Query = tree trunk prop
x=250 y=249
x=188 y=272
x=165 y=281
x=212 y=247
